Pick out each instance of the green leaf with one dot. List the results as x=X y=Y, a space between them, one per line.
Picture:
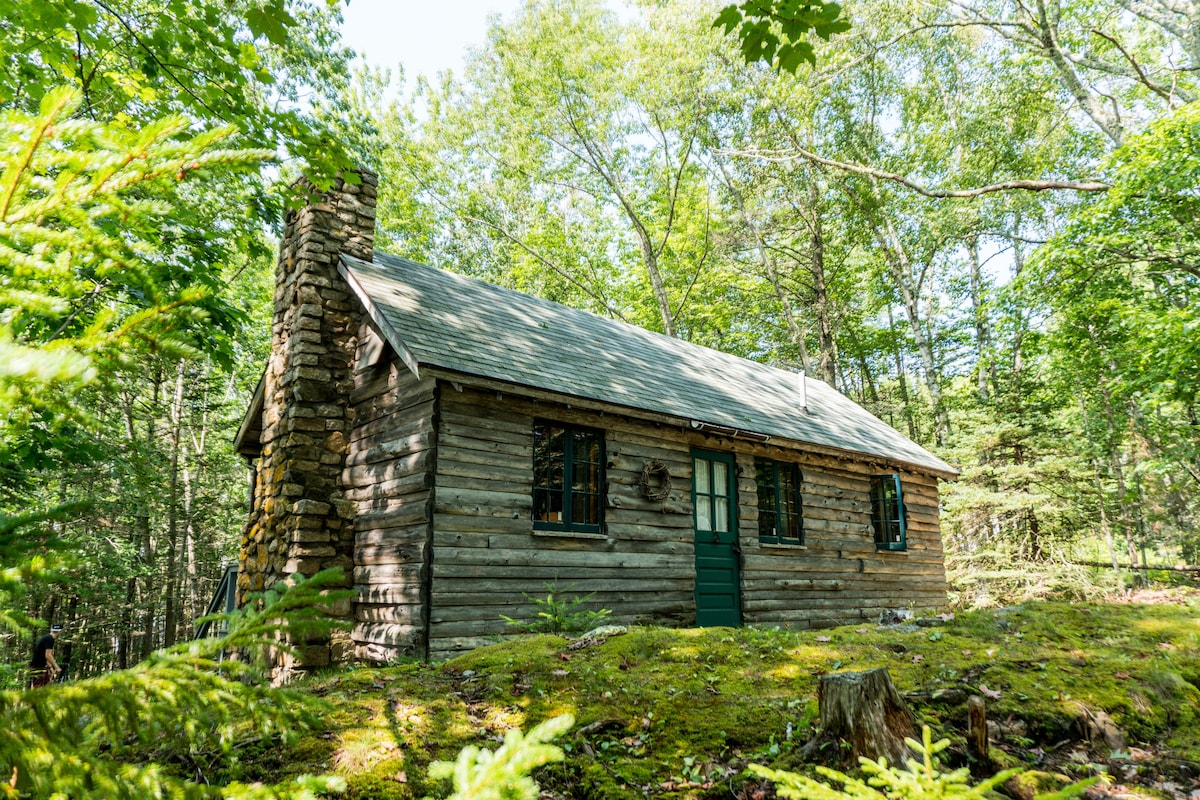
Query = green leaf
x=729 y=18
x=270 y=22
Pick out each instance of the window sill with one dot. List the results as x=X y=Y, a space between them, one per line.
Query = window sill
x=568 y=534
x=782 y=546
x=899 y=551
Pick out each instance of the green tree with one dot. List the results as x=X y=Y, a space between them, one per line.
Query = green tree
x=95 y=737
x=97 y=283
x=251 y=64
x=573 y=147
x=85 y=249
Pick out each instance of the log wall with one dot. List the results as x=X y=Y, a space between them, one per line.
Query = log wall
x=388 y=475
x=838 y=576
x=487 y=557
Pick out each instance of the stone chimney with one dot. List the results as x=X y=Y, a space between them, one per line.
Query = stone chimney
x=300 y=522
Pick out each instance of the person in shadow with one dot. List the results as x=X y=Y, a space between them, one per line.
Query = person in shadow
x=44 y=667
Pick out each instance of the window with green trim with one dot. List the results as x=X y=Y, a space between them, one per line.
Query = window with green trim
x=780 y=517
x=568 y=475
x=887 y=512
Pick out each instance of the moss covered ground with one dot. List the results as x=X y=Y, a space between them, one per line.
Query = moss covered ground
x=1073 y=690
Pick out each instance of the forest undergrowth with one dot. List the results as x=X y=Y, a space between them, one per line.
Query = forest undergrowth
x=1073 y=690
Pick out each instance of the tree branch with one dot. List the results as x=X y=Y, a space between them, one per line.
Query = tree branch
x=154 y=57
x=941 y=194
x=1142 y=76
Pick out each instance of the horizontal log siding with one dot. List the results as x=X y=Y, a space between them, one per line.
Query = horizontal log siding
x=838 y=576
x=389 y=476
x=487 y=557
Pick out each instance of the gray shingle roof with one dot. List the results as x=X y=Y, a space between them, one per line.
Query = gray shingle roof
x=462 y=324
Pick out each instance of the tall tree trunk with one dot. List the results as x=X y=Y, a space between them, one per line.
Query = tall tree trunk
x=868 y=380
x=171 y=582
x=1097 y=479
x=986 y=367
x=1194 y=421
x=909 y=417
x=1118 y=468
x=650 y=261
x=191 y=488
x=900 y=268
x=1018 y=357
x=149 y=545
x=125 y=638
x=598 y=158
x=825 y=341
x=1033 y=528
x=769 y=267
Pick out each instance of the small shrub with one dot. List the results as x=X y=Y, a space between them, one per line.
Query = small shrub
x=921 y=780
x=480 y=774
x=560 y=614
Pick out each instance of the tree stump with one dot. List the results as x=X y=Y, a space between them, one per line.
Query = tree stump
x=977 y=732
x=864 y=710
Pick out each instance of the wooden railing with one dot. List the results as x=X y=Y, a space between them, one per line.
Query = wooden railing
x=224 y=601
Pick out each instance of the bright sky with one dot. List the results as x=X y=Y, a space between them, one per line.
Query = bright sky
x=427 y=37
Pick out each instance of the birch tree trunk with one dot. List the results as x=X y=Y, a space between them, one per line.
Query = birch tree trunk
x=171 y=583
x=900 y=269
x=768 y=265
x=986 y=366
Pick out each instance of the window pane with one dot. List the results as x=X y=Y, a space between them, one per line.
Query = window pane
x=586 y=446
x=563 y=453
x=789 y=480
x=703 y=512
x=585 y=509
x=764 y=480
x=585 y=477
x=548 y=456
x=887 y=511
x=547 y=506
x=720 y=479
x=789 y=527
x=787 y=485
x=701 y=468
x=721 y=516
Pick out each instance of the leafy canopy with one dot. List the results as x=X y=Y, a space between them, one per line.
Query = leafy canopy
x=253 y=63
x=87 y=266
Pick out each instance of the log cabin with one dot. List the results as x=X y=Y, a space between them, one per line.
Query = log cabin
x=457 y=447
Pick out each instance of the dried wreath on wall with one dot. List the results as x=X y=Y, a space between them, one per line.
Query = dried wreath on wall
x=655 y=481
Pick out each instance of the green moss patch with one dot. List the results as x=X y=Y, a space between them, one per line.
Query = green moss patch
x=679 y=713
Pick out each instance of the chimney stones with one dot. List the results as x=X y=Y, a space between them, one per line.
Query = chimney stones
x=300 y=522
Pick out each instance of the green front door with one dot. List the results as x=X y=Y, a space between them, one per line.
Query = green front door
x=714 y=495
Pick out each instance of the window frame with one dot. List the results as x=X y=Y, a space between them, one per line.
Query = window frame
x=778 y=497
x=568 y=524
x=896 y=524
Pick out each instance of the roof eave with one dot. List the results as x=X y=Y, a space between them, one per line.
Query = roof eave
x=379 y=320
x=241 y=442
